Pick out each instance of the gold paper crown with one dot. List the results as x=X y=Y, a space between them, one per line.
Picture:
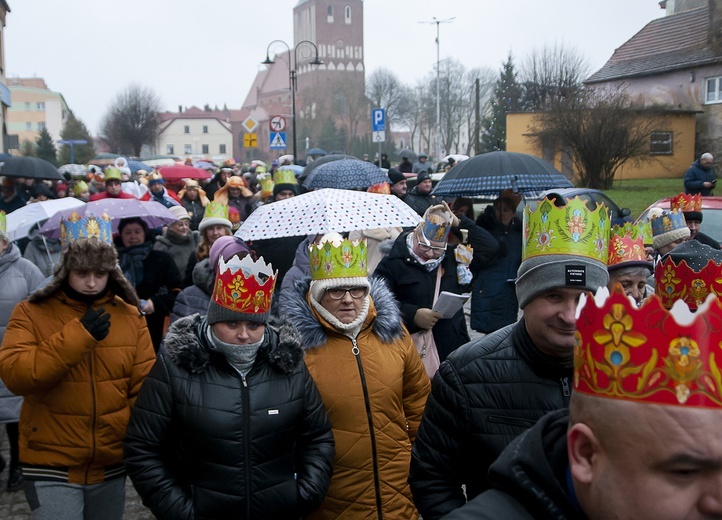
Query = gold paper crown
x=245 y=286
x=686 y=202
x=77 y=227
x=284 y=176
x=648 y=354
x=267 y=187
x=338 y=259
x=112 y=174
x=573 y=229
x=3 y=223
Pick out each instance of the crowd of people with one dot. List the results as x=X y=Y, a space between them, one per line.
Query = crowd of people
x=316 y=377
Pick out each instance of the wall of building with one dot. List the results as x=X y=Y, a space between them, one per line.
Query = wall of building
x=218 y=134
x=31 y=109
x=682 y=125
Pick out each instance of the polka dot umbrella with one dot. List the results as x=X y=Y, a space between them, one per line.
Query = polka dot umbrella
x=327 y=210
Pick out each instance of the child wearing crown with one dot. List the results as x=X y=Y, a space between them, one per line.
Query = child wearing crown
x=229 y=423
x=78 y=351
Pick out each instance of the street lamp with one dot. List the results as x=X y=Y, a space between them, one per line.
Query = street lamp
x=292 y=77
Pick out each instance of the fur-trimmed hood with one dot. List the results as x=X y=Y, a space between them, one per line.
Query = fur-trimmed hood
x=187 y=346
x=385 y=321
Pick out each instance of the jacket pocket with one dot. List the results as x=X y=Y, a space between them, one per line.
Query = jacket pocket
x=511 y=421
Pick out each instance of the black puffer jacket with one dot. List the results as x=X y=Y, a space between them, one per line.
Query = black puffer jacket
x=204 y=443
x=483 y=396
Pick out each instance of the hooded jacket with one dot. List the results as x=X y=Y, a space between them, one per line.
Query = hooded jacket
x=529 y=479
x=195 y=299
x=45 y=254
x=374 y=397
x=178 y=247
x=78 y=391
x=204 y=442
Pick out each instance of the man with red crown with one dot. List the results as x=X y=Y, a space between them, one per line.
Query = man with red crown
x=691 y=208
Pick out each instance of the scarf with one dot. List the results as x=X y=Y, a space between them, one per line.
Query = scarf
x=176 y=239
x=88 y=299
x=131 y=261
x=347 y=329
x=240 y=357
x=429 y=265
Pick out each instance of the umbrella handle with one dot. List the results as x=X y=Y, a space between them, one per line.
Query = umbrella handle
x=47 y=252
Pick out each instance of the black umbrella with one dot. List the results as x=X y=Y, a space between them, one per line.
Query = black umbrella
x=412 y=156
x=29 y=167
x=489 y=173
x=316 y=151
x=322 y=160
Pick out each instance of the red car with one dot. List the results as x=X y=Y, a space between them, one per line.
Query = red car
x=711 y=211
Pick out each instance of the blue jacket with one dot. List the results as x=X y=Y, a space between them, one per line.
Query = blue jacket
x=695 y=178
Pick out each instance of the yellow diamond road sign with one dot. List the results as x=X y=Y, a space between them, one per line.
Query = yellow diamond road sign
x=250 y=140
x=249 y=124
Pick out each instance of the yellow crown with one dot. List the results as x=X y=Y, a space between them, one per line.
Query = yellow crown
x=573 y=229
x=3 y=223
x=284 y=176
x=338 y=259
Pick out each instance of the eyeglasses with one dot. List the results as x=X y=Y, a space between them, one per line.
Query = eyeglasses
x=425 y=248
x=338 y=293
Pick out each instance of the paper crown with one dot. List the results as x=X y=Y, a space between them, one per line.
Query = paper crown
x=284 y=176
x=645 y=230
x=686 y=202
x=436 y=225
x=667 y=221
x=338 y=259
x=626 y=246
x=112 y=174
x=3 y=222
x=382 y=188
x=76 y=227
x=691 y=272
x=245 y=286
x=648 y=354
x=573 y=229
x=216 y=210
x=267 y=187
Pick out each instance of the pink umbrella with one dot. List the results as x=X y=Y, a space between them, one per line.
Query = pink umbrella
x=181 y=171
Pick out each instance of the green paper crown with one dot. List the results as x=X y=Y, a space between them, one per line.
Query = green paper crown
x=573 y=229
x=216 y=210
x=3 y=223
x=338 y=259
x=284 y=176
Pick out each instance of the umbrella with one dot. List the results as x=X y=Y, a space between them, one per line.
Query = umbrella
x=153 y=213
x=179 y=171
x=327 y=210
x=316 y=151
x=204 y=164
x=405 y=152
x=287 y=157
x=458 y=157
x=489 y=173
x=160 y=160
x=297 y=169
x=323 y=160
x=29 y=167
x=77 y=171
x=345 y=174
x=258 y=162
x=21 y=221
x=138 y=165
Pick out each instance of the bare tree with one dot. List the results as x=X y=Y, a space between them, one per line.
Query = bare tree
x=132 y=120
x=486 y=78
x=551 y=74
x=601 y=129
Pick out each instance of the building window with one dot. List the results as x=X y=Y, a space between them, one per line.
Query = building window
x=329 y=14
x=187 y=149
x=204 y=148
x=40 y=105
x=29 y=127
x=222 y=148
x=661 y=143
x=347 y=14
x=27 y=105
x=186 y=129
x=205 y=129
x=714 y=90
x=41 y=125
x=169 y=149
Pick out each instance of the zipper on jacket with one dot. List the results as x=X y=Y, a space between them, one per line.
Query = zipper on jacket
x=372 y=434
x=91 y=360
x=246 y=436
x=565 y=387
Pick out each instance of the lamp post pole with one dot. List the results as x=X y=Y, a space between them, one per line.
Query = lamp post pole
x=293 y=79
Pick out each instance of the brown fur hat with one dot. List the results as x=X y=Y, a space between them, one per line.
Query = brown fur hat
x=90 y=254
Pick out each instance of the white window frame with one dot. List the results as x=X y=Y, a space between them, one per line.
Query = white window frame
x=40 y=105
x=713 y=90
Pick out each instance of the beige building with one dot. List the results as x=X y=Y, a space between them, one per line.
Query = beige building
x=197 y=134
x=34 y=107
x=5 y=96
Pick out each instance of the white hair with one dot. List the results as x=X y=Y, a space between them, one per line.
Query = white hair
x=706 y=156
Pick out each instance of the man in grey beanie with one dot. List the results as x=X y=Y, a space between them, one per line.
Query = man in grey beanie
x=492 y=389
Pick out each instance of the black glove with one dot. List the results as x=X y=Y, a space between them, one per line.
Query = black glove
x=96 y=322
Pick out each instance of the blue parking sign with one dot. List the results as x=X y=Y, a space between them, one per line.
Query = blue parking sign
x=378 y=119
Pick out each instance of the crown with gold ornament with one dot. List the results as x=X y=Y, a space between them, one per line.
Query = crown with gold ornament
x=648 y=354
x=216 y=210
x=284 y=176
x=436 y=225
x=667 y=221
x=626 y=247
x=3 y=223
x=690 y=272
x=76 y=227
x=685 y=202
x=573 y=229
x=267 y=185
x=382 y=188
x=245 y=286
x=338 y=259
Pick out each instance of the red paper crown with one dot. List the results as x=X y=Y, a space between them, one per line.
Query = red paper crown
x=681 y=282
x=649 y=354
x=626 y=244
x=244 y=286
x=686 y=202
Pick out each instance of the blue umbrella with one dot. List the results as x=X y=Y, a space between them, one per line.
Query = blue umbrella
x=316 y=151
x=345 y=174
x=489 y=173
x=138 y=165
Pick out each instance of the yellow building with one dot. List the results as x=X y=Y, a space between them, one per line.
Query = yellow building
x=34 y=107
x=671 y=146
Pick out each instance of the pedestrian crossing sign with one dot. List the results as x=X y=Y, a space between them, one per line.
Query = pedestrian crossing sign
x=278 y=140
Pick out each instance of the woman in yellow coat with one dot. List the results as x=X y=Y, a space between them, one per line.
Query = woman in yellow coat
x=371 y=379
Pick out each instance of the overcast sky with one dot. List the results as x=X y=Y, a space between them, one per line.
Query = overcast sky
x=193 y=53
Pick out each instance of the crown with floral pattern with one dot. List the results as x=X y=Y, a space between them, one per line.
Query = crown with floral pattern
x=3 y=223
x=284 y=176
x=216 y=210
x=573 y=229
x=690 y=272
x=667 y=221
x=76 y=227
x=244 y=286
x=382 y=188
x=338 y=259
x=648 y=354
x=626 y=247
x=685 y=202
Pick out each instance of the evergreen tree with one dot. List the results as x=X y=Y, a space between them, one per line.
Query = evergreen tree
x=27 y=148
x=75 y=129
x=45 y=147
x=507 y=97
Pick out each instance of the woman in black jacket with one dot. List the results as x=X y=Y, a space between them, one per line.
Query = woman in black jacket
x=229 y=423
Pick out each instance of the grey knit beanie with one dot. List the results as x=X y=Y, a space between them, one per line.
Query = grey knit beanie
x=541 y=273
